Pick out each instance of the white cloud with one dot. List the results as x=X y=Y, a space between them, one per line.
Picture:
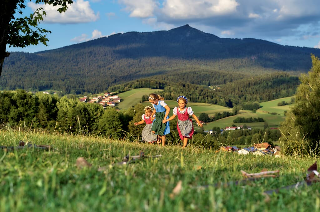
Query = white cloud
x=96 y=34
x=307 y=37
x=112 y=34
x=186 y=9
x=78 y=12
x=317 y=46
x=80 y=38
x=227 y=32
x=158 y=25
x=269 y=19
x=139 y=8
x=253 y=15
x=224 y=6
x=84 y=37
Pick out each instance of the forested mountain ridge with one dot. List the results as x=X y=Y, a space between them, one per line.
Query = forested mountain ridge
x=95 y=65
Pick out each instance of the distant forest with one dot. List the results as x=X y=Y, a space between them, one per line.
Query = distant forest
x=254 y=89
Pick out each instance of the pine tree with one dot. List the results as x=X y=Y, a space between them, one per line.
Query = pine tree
x=301 y=129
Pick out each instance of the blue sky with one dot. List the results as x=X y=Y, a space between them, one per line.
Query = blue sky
x=286 y=22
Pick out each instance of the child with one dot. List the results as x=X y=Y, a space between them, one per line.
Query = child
x=147 y=117
x=184 y=125
x=162 y=113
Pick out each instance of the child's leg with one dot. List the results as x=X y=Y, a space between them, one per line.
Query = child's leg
x=163 y=140
x=185 y=142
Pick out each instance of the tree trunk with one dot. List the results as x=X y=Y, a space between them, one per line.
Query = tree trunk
x=7 y=11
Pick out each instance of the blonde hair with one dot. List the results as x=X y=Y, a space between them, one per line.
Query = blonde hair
x=154 y=96
x=148 y=109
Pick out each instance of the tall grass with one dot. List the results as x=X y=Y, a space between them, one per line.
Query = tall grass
x=37 y=180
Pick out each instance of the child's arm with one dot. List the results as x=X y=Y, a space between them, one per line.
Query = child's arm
x=167 y=112
x=169 y=119
x=153 y=112
x=138 y=123
x=197 y=120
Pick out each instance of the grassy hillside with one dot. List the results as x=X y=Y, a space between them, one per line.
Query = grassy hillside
x=133 y=97
x=33 y=180
x=198 y=108
x=269 y=111
x=272 y=106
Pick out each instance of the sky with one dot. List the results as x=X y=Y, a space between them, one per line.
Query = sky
x=286 y=22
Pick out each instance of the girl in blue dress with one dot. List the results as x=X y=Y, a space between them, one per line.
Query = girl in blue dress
x=161 y=111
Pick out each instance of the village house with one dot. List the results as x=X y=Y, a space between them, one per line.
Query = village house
x=84 y=99
x=232 y=128
x=112 y=104
x=114 y=97
x=104 y=100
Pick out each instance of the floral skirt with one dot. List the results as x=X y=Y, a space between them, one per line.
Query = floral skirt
x=185 y=128
x=147 y=135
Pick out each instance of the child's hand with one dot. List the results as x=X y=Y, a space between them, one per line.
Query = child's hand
x=199 y=124
x=136 y=124
x=164 y=121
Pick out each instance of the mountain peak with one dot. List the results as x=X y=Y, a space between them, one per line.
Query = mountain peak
x=189 y=31
x=184 y=27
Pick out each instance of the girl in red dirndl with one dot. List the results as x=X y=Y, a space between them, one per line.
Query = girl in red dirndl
x=184 y=124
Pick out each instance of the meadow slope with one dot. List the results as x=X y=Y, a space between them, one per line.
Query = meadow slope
x=34 y=180
x=269 y=111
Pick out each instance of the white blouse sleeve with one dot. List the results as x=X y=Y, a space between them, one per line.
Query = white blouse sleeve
x=143 y=118
x=175 y=111
x=162 y=103
x=190 y=112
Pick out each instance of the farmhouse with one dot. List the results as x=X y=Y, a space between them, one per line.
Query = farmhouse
x=84 y=99
x=104 y=100
x=233 y=128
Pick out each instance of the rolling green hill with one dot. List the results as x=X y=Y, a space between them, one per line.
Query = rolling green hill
x=133 y=97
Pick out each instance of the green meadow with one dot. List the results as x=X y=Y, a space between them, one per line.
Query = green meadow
x=197 y=108
x=269 y=111
x=180 y=180
x=134 y=96
x=272 y=106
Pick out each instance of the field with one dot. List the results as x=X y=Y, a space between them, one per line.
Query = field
x=272 y=106
x=269 y=111
x=197 y=108
x=134 y=96
x=37 y=180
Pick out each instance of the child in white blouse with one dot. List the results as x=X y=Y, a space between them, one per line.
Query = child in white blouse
x=147 y=118
x=184 y=125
